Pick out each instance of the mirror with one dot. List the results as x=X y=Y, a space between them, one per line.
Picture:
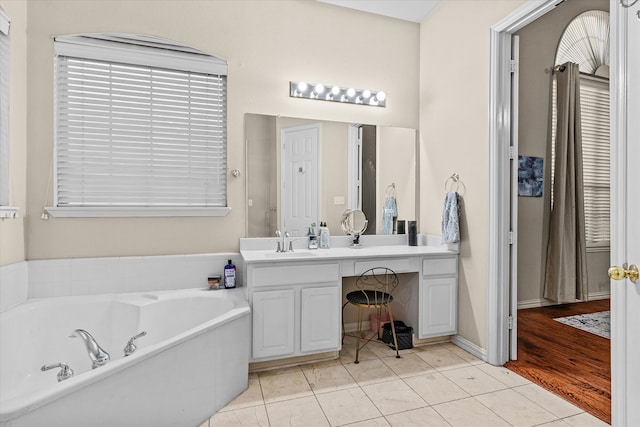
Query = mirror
x=354 y=223
x=303 y=171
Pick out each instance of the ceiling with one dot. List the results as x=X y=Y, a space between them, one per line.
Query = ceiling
x=408 y=10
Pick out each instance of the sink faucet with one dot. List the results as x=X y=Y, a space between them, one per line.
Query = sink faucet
x=282 y=246
x=98 y=356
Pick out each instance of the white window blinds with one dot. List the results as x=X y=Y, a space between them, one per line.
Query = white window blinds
x=4 y=109
x=138 y=135
x=594 y=106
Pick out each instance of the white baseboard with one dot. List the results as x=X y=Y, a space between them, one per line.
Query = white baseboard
x=534 y=303
x=470 y=347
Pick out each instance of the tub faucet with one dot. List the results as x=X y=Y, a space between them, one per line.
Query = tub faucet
x=65 y=371
x=98 y=356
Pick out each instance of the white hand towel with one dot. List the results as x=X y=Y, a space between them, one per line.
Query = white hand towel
x=390 y=212
x=450 y=219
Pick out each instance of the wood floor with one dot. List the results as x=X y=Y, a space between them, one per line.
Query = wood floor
x=569 y=362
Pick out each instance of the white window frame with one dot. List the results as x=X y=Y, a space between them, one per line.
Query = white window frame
x=586 y=81
x=6 y=210
x=138 y=51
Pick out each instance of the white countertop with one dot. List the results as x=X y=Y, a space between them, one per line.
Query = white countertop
x=254 y=251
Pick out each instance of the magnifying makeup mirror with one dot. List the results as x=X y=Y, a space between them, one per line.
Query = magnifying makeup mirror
x=354 y=223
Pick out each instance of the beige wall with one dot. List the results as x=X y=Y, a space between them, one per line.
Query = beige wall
x=538 y=43
x=454 y=137
x=267 y=44
x=12 y=241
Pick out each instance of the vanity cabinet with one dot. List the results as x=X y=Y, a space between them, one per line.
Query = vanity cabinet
x=296 y=309
x=438 y=297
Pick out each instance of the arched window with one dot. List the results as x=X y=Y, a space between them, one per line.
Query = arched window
x=585 y=42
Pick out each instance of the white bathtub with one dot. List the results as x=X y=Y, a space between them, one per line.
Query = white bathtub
x=193 y=360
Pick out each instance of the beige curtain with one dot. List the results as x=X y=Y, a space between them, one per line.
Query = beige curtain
x=566 y=270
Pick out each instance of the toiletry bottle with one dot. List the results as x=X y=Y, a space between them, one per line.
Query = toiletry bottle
x=313 y=237
x=229 y=275
x=413 y=233
x=325 y=237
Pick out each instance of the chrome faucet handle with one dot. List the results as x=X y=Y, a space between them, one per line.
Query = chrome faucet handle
x=130 y=348
x=278 y=248
x=290 y=246
x=65 y=372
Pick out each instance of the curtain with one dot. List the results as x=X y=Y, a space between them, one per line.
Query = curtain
x=566 y=267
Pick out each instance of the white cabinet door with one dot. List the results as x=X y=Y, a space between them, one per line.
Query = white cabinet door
x=320 y=319
x=273 y=323
x=438 y=307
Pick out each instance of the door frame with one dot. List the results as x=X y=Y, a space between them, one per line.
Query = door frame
x=500 y=125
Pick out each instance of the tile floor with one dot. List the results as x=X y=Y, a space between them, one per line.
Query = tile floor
x=436 y=385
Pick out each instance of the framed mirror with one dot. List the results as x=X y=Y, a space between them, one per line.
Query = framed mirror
x=302 y=171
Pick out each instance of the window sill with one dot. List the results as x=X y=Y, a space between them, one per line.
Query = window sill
x=8 y=212
x=107 y=212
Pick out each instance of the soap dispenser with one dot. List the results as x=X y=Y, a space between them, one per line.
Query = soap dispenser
x=325 y=237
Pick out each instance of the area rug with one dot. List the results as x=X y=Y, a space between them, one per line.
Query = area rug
x=596 y=323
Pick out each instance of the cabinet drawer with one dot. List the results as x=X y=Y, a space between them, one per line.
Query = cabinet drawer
x=440 y=266
x=395 y=264
x=293 y=274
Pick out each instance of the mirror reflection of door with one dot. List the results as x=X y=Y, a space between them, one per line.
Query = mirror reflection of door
x=300 y=181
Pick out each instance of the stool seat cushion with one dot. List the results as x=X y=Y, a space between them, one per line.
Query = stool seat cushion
x=367 y=297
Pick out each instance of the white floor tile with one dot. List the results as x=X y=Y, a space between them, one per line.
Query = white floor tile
x=436 y=388
x=469 y=413
x=284 y=386
x=584 y=420
x=347 y=406
x=516 y=409
x=440 y=358
x=393 y=396
x=247 y=417
x=418 y=418
x=329 y=378
x=370 y=371
x=252 y=396
x=303 y=412
x=473 y=380
x=549 y=401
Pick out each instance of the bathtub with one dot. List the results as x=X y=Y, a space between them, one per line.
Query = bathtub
x=193 y=360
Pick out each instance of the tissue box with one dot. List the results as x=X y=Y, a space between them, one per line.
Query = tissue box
x=377 y=321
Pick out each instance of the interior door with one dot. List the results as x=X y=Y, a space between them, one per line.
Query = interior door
x=300 y=178
x=625 y=230
x=513 y=239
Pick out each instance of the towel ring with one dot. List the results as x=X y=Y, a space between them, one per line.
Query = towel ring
x=455 y=184
x=391 y=190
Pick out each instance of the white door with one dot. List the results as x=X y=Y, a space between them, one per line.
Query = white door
x=625 y=230
x=300 y=183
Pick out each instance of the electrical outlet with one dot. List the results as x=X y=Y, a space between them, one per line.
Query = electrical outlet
x=338 y=200
x=250 y=202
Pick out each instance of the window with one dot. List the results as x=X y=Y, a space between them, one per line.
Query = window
x=594 y=109
x=585 y=42
x=5 y=210
x=140 y=128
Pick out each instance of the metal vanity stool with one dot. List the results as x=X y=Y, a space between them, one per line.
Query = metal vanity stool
x=375 y=287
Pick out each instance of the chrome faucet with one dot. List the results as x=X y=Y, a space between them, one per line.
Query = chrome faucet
x=98 y=356
x=282 y=246
x=65 y=372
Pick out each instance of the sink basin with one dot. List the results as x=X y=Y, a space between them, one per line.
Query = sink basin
x=289 y=254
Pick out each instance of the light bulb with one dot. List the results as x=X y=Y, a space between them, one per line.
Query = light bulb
x=366 y=93
x=335 y=90
x=381 y=96
x=319 y=88
x=350 y=92
x=302 y=86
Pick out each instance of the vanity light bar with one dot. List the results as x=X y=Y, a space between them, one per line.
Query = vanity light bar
x=347 y=95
